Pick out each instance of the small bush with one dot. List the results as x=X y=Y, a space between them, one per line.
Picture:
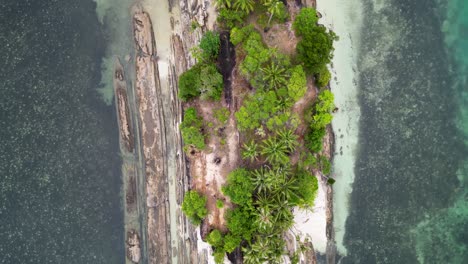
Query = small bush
x=210 y=44
x=219 y=204
x=189 y=84
x=191 y=128
x=211 y=82
x=323 y=77
x=215 y=238
x=230 y=17
x=231 y=242
x=314 y=138
x=222 y=115
x=307 y=188
x=305 y=21
x=239 y=187
x=194 y=207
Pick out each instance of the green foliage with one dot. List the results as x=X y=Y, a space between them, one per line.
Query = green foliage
x=219 y=255
x=250 y=151
x=204 y=79
x=274 y=75
x=239 y=188
x=315 y=49
x=325 y=102
x=231 y=242
x=194 y=207
x=325 y=165
x=215 y=238
x=288 y=139
x=211 y=82
x=219 y=204
x=240 y=34
x=275 y=151
x=322 y=110
x=246 y=6
x=210 y=44
x=191 y=128
x=297 y=84
x=323 y=77
x=231 y=17
x=224 y=3
x=189 y=83
x=305 y=21
x=314 y=138
x=239 y=221
x=307 y=189
x=276 y=9
x=222 y=115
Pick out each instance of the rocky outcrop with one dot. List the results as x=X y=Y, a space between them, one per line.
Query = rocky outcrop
x=133 y=246
x=125 y=125
x=152 y=139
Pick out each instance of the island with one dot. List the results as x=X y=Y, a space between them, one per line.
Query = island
x=225 y=133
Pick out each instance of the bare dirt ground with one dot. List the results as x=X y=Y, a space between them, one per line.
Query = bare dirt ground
x=209 y=168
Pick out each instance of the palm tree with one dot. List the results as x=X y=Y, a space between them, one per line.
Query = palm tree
x=283 y=214
x=274 y=75
x=273 y=7
x=288 y=139
x=224 y=3
x=251 y=257
x=262 y=180
x=264 y=219
x=250 y=151
x=244 y=5
x=286 y=187
x=274 y=151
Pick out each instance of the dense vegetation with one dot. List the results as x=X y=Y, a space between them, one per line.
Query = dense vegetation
x=276 y=173
x=194 y=207
x=203 y=79
x=191 y=128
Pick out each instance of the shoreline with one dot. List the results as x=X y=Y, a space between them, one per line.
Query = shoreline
x=345 y=121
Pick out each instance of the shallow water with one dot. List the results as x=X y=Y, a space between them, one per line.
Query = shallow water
x=59 y=158
x=409 y=199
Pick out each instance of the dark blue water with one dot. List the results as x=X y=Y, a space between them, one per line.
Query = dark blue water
x=409 y=202
x=59 y=157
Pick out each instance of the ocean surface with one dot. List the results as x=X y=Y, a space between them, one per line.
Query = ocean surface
x=60 y=178
x=409 y=199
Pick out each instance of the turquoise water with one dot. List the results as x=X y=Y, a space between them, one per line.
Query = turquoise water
x=443 y=237
x=59 y=157
x=410 y=202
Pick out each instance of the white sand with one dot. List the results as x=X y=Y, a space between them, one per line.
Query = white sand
x=343 y=17
x=313 y=223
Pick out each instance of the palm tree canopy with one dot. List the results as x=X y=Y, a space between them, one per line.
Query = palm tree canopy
x=244 y=5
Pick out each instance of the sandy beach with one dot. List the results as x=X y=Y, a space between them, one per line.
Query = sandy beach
x=343 y=18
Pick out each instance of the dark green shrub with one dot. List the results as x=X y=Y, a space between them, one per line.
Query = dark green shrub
x=231 y=242
x=313 y=139
x=209 y=44
x=238 y=187
x=230 y=17
x=211 y=83
x=323 y=77
x=191 y=128
x=307 y=188
x=240 y=222
x=189 y=84
x=315 y=49
x=194 y=207
x=305 y=21
x=215 y=238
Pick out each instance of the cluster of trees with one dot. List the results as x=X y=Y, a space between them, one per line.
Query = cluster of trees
x=234 y=12
x=315 y=49
x=278 y=84
x=319 y=117
x=194 y=207
x=264 y=199
x=203 y=79
x=192 y=129
x=266 y=190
